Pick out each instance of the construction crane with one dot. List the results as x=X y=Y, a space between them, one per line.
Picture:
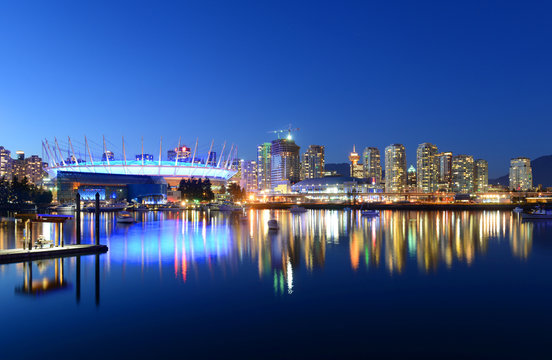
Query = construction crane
x=288 y=130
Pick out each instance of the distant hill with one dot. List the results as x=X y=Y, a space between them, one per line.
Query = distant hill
x=542 y=173
x=342 y=169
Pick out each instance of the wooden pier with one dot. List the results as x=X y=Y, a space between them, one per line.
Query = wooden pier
x=21 y=255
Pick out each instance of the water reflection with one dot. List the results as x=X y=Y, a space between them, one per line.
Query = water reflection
x=180 y=243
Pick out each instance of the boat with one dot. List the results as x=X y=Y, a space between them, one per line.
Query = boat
x=370 y=213
x=168 y=207
x=517 y=209
x=65 y=207
x=229 y=207
x=141 y=207
x=273 y=224
x=107 y=208
x=297 y=209
x=538 y=214
x=125 y=217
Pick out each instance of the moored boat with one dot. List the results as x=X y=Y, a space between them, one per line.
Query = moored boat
x=297 y=209
x=124 y=217
x=538 y=214
x=370 y=213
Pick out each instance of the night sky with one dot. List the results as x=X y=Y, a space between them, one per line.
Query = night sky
x=471 y=77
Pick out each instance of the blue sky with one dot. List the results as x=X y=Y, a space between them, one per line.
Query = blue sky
x=471 y=77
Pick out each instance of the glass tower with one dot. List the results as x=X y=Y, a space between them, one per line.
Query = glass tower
x=395 y=168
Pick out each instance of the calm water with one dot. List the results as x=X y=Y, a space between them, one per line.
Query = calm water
x=329 y=284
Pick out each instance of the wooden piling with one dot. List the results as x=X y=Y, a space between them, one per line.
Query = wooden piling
x=78 y=217
x=97 y=219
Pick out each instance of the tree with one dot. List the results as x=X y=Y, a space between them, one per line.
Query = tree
x=195 y=189
x=236 y=192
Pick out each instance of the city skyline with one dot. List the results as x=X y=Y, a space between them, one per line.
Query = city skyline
x=472 y=79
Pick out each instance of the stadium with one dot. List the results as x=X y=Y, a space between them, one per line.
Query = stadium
x=89 y=168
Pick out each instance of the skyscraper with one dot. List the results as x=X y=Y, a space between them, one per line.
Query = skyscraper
x=18 y=166
x=32 y=168
x=462 y=174
x=427 y=168
x=356 y=168
x=521 y=174
x=284 y=163
x=481 y=175
x=411 y=183
x=5 y=163
x=395 y=168
x=444 y=161
x=312 y=165
x=372 y=165
x=249 y=176
x=263 y=166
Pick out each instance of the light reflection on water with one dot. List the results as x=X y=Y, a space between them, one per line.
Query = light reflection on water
x=178 y=241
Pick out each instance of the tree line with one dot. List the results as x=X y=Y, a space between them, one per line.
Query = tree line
x=15 y=193
x=200 y=190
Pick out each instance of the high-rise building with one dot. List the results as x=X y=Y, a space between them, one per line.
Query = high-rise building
x=521 y=174
x=356 y=168
x=312 y=165
x=411 y=179
x=372 y=164
x=182 y=153
x=481 y=175
x=284 y=163
x=444 y=161
x=147 y=157
x=462 y=174
x=427 y=168
x=249 y=176
x=395 y=168
x=108 y=155
x=263 y=166
x=18 y=165
x=5 y=163
x=32 y=168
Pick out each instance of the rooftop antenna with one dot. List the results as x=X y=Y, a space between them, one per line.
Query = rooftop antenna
x=60 y=154
x=228 y=158
x=208 y=157
x=160 y=151
x=195 y=149
x=52 y=154
x=124 y=154
x=73 y=151
x=89 y=153
x=221 y=154
x=106 y=154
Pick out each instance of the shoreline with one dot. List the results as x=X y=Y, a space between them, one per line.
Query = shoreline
x=405 y=207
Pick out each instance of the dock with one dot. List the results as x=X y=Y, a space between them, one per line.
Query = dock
x=22 y=255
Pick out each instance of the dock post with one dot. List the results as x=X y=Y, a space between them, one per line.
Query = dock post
x=56 y=241
x=30 y=235
x=78 y=218
x=61 y=234
x=97 y=219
